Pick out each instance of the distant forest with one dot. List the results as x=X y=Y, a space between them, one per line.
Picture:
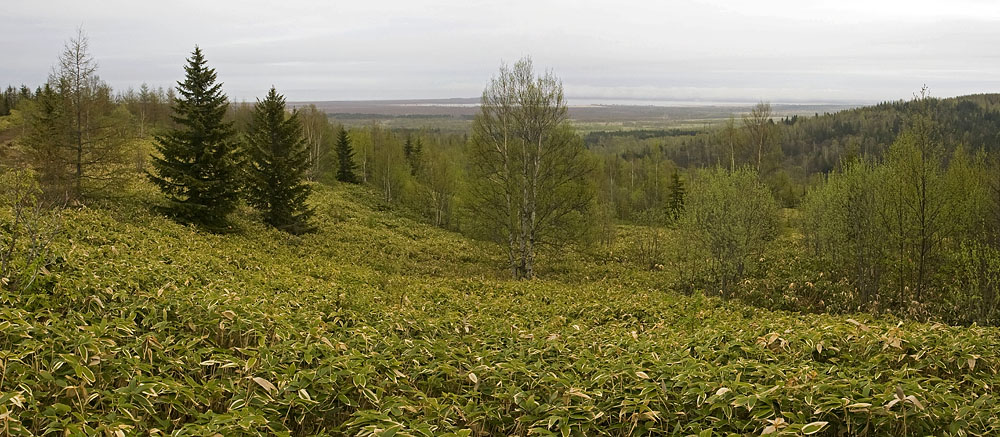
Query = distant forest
x=802 y=148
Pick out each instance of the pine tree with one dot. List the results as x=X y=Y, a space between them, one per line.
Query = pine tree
x=676 y=205
x=47 y=133
x=413 y=150
x=199 y=169
x=278 y=161
x=408 y=147
x=345 y=158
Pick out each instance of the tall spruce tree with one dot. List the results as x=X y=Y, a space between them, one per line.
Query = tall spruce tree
x=675 y=205
x=278 y=161
x=413 y=150
x=408 y=147
x=199 y=168
x=346 y=166
x=47 y=132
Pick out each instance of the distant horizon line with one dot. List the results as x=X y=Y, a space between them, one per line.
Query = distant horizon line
x=613 y=101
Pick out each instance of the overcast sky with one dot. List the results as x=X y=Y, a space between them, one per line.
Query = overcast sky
x=781 y=51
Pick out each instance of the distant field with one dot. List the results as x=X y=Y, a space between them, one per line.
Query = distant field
x=457 y=114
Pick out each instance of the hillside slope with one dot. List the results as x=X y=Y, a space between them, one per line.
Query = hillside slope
x=806 y=145
x=381 y=325
x=818 y=143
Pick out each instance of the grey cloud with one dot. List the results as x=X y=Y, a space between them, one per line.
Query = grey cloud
x=849 y=50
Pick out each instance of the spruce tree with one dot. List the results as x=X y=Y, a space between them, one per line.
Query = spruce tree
x=676 y=205
x=46 y=135
x=278 y=160
x=345 y=159
x=413 y=150
x=199 y=169
x=408 y=147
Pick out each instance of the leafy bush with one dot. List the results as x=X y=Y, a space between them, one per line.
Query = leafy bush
x=973 y=293
x=909 y=235
x=843 y=220
x=26 y=231
x=730 y=217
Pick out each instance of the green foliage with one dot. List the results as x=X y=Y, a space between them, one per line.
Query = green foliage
x=730 y=217
x=47 y=132
x=675 y=204
x=27 y=229
x=346 y=167
x=441 y=180
x=636 y=182
x=76 y=137
x=761 y=133
x=198 y=168
x=72 y=131
x=972 y=291
x=794 y=150
x=842 y=222
x=150 y=108
x=278 y=161
x=97 y=129
x=413 y=150
x=529 y=174
x=915 y=203
x=910 y=235
x=385 y=166
x=11 y=97
x=649 y=245
x=380 y=324
x=320 y=137
x=127 y=323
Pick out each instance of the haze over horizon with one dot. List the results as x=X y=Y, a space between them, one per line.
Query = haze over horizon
x=711 y=50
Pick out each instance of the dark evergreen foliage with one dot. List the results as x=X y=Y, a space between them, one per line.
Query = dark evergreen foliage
x=413 y=150
x=46 y=134
x=278 y=160
x=346 y=167
x=198 y=169
x=408 y=147
x=10 y=97
x=675 y=205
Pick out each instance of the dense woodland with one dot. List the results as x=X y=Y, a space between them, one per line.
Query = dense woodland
x=891 y=210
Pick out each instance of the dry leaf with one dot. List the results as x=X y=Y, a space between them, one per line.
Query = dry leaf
x=265 y=384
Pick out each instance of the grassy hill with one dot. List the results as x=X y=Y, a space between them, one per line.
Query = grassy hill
x=378 y=324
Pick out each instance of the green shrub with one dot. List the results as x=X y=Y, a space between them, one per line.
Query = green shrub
x=843 y=225
x=909 y=235
x=729 y=217
x=972 y=292
x=27 y=229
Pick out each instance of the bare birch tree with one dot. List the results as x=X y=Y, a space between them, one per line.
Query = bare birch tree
x=532 y=181
x=760 y=130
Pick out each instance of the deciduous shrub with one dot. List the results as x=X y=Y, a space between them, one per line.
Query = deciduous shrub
x=27 y=228
x=730 y=217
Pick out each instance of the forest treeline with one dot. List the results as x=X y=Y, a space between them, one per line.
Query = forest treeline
x=803 y=148
x=898 y=203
